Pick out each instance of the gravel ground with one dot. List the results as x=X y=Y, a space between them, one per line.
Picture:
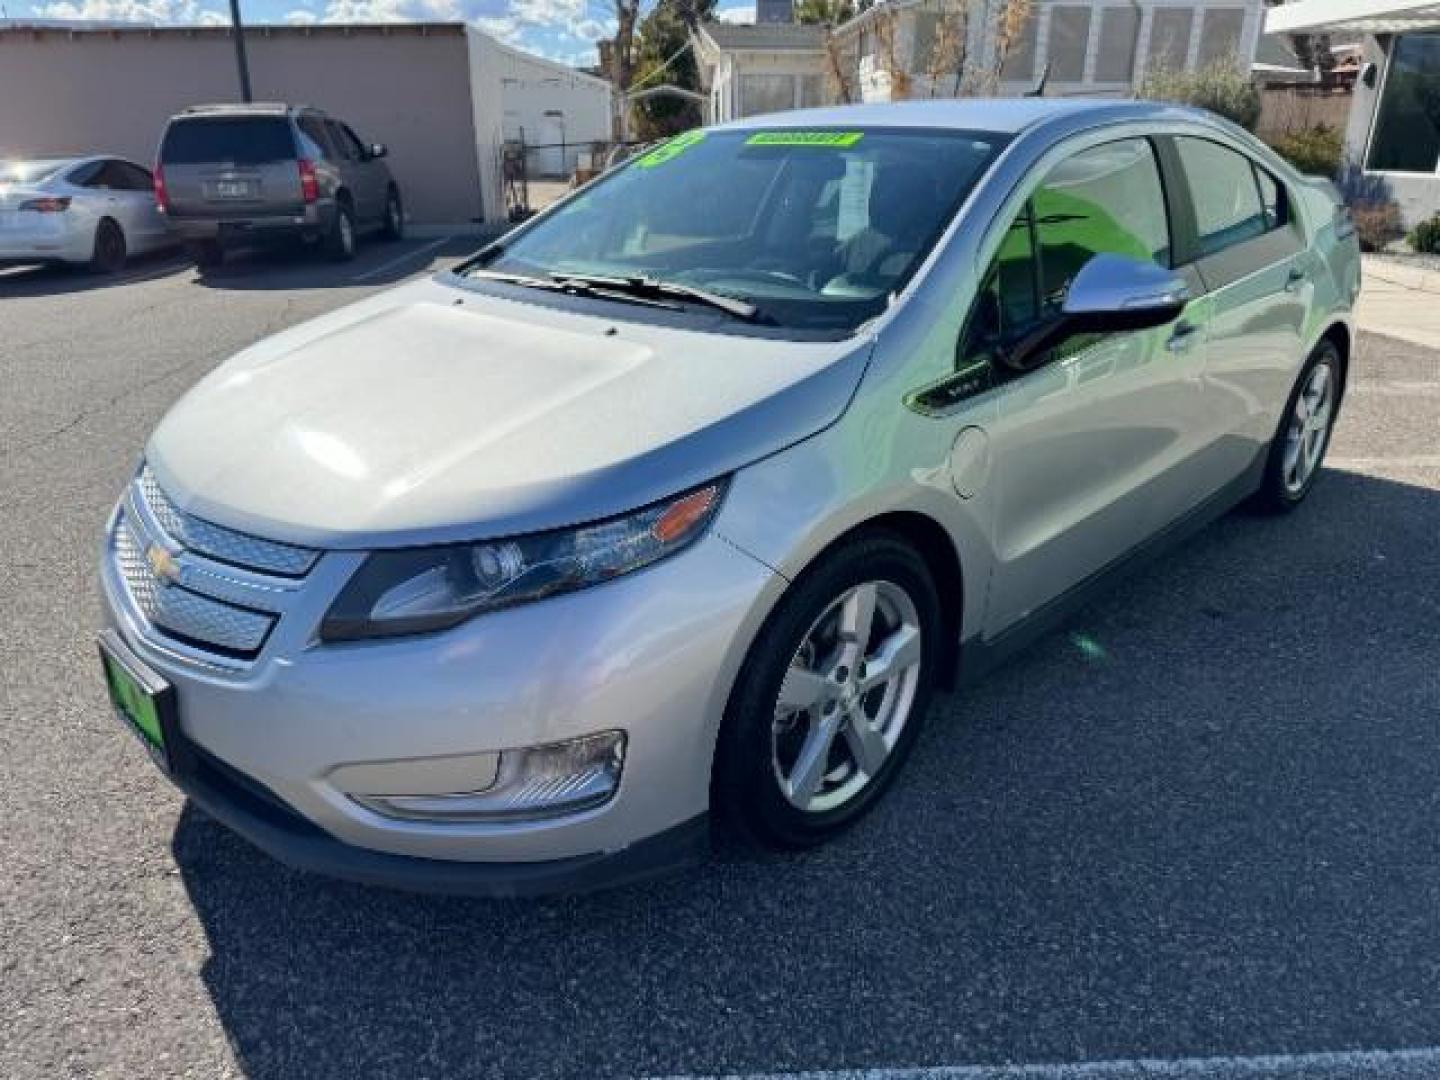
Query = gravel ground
x=1199 y=821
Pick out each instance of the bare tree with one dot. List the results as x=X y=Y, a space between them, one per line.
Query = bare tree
x=622 y=60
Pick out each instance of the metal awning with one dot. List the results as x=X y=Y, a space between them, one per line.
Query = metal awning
x=1353 y=16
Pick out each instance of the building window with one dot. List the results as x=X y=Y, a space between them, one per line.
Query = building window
x=766 y=94
x=1220 y=34
x=1115 y=55
x=1170 y=39
x=1069 y=35
x=1406 y=135
x=1020 y=59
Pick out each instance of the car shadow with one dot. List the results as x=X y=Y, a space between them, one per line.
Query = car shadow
x=1197 y=820
x=298 y=266
x=48 y=279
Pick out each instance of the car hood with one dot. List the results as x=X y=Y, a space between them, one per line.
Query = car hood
x=430 y=413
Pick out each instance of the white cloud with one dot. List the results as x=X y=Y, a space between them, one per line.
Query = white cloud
x=301 y=17
x=594 y=29
x=147 y=11
x=743 y=14
x=390 y=11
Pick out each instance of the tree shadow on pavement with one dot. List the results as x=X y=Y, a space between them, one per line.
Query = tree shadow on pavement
x=1198 y=820
x=295 y=266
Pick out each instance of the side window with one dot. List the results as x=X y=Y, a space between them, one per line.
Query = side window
x=1105 y=199
x=89 y=176
x=338 y=141
x=1272 y=199
x=131 y=177
x=354 y=148
x=313 y=129
x=1224 y=192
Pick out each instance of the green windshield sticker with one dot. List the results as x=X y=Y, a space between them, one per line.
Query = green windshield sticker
x=674 y=148
x=839 y=139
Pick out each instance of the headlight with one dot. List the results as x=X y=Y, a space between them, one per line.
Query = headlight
x=421 y=589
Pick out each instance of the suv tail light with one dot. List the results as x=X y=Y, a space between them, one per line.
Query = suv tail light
x=309 y=183
x=50 y=204
x=162 y=197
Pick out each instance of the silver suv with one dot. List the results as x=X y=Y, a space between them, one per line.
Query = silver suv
x=233 y=174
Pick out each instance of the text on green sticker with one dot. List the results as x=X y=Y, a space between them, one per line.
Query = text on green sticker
x=674 y=148
x=805 y=138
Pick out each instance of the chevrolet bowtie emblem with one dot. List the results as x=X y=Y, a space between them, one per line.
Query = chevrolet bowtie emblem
x=162 y=564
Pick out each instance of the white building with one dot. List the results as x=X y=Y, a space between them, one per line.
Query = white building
x=442 y=96
x=1393 y=133
x=1100 y=48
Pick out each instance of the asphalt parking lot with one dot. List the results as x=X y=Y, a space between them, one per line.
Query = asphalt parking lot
x=1198 y=823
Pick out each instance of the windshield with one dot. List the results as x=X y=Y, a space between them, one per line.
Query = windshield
x=815 y=228
x=30 y=172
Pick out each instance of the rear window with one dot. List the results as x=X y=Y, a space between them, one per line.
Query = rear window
x=250 y=140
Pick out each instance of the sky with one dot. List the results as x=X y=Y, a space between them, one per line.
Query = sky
x=564 y=30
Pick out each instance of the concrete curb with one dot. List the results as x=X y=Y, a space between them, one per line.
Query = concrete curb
x=1409 y=277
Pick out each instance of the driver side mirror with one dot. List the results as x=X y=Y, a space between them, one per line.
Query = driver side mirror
x=378 y=150
x=1111 y=294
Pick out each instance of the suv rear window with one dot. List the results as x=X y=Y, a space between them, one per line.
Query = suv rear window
x=250 y=140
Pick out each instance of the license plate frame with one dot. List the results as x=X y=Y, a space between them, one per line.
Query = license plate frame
x=233 y=189
x=142 y=699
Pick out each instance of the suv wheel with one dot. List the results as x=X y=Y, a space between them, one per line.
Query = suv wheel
x=831 y=697
x=108 y=254
x=340 y=240
x=394 y=216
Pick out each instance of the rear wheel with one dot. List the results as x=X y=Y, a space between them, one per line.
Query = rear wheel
x=1304 y=434
x=340 y=240
x=207 y=253
x=108 y=254
x=831 y=698
x=394 y=228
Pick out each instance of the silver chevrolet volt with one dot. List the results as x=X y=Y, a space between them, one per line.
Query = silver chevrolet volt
x=673 y=507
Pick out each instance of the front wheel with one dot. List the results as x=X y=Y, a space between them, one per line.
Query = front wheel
x=831 y=697
x=1304 y=434
x=394 y=228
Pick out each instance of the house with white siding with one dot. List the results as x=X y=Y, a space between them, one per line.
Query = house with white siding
x=912 y=48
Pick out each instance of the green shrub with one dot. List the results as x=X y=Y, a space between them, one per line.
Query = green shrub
x=1425 y=237
x=1315 y=150
x=1221 y=87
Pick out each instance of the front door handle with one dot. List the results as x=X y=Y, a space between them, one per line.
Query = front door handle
x=1182 y=337
x=1294 y=279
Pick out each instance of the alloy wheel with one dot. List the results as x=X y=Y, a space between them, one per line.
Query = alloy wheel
x=846 y=696
x=1309 y=428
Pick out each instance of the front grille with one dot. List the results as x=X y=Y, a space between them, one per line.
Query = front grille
x=182 y=575
x=226 y=545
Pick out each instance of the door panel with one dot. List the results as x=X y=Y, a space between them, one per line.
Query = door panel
x=1257 y=273
x=1095 y=450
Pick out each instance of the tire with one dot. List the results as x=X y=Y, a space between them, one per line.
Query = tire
x=108 y=254
x=394 y=226
x=1298 y=449
x=207 y=253
x=339 y=243
x=759 y=790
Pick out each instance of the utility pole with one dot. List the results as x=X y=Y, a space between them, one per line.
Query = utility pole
x=240 y=61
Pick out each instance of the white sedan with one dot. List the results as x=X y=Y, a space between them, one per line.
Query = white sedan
x=91 y=211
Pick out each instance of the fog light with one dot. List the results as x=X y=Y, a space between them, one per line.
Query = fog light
x=531 y=784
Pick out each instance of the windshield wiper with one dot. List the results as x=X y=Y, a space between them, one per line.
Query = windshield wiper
x=571 y=286
x=648 y=286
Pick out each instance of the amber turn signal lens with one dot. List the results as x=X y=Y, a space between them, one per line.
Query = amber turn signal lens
x=684 y=514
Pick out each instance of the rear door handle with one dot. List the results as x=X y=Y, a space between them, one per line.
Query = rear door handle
x=1183 y=336
x=1294 y=279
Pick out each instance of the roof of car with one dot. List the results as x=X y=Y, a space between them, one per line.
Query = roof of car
x=268 y=108
x=1006 y=115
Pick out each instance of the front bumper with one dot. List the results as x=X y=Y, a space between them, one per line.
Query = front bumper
x=652 y=654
